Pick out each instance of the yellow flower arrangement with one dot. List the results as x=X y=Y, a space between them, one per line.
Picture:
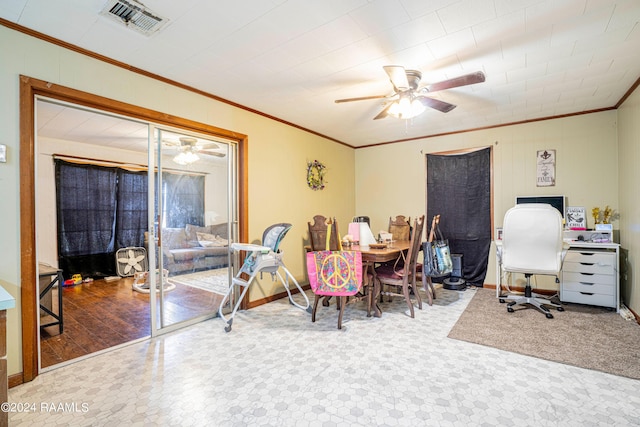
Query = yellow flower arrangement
x=595 y=212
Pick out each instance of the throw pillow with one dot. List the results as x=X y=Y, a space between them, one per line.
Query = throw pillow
x=192 y=230
x=209 y=240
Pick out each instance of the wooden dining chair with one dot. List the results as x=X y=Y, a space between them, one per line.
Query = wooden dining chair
x=318 y=234
x=401 y=281
x=318 y=239
x=400 y=227
x=339 y=274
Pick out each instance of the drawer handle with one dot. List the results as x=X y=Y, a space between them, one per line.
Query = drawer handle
x=587 y=283
x=586 y=293
x=587 y=274
x=587 y=263
x=586 y=253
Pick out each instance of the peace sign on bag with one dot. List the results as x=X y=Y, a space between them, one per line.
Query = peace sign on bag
x=335 y=272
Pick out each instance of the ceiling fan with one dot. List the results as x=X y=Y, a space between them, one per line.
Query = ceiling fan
x=189 y=149
x=408 y=100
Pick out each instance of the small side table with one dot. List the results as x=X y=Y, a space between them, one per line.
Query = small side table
x=56 y=277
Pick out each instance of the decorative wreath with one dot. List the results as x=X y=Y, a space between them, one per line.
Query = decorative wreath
x=315 y=175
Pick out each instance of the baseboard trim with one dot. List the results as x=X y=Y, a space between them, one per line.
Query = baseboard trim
x=635 y=315
x=15 y=380
x=276 y=297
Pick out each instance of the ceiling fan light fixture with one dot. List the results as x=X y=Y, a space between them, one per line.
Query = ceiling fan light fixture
x=410 y=101
x=407 y=107
x=186 y=157
x=417 y=107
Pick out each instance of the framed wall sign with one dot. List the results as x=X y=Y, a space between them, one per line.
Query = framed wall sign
x=546 y=168
x=576 y=218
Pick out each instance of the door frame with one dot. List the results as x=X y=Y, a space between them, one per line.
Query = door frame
x=155 y=162
x=29 y=89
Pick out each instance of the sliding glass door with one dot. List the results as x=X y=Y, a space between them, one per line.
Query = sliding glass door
x=192 y=212
x=117 y=199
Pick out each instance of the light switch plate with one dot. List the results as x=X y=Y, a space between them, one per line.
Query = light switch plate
x=3 y=153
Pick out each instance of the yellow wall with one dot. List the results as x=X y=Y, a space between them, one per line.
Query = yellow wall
x=586 y=165
x=379 y=181
x=277 y=156
x=629 y=179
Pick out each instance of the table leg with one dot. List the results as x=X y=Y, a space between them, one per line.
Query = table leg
x=61 y=317
x=58 y=318
x=377 y=312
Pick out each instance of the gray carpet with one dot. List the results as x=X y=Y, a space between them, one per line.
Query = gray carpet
x=584 y=336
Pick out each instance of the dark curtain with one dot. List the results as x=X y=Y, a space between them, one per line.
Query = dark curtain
x=86 y=211
x=459 y=189
x=100 y=210
x=184 y=199
x=131 y=218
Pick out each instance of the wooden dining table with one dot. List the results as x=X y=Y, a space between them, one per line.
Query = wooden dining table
x=371 y=257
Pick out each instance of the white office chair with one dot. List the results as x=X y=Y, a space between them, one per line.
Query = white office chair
x=532 y=244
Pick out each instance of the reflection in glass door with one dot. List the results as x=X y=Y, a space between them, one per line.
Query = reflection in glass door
x=113 y=306
x=191 y=192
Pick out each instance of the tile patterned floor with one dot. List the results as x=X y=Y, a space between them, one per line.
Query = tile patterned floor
x=276 y=368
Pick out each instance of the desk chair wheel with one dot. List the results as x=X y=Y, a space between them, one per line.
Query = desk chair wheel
x=502 y=300
x=510 y=310
x=560 y=308
x=549 y=315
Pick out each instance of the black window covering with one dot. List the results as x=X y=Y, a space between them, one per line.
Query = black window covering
x=131 y=218
x=459 y=189
x=184 y=199
x=86 y=214
x=100 y=210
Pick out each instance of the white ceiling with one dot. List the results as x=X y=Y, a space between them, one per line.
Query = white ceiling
x=291 y=59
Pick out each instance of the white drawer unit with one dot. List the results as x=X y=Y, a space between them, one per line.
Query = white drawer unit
x=590 y=276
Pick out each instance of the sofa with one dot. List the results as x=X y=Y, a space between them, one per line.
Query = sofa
x=194 y=248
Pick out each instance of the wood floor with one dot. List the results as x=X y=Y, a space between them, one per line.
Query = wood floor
x=102 y=314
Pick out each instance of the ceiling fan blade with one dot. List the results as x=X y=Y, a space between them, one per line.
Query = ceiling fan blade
x=398 y=77
x=467 y=79
x=382 y=114
x=213 y=153
x=445 y=107
x=207 y=146
x=361 y=98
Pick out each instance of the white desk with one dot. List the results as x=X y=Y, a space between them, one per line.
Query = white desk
x=584 y=281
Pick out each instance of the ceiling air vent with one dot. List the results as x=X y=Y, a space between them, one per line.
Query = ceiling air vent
x=133 y=15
